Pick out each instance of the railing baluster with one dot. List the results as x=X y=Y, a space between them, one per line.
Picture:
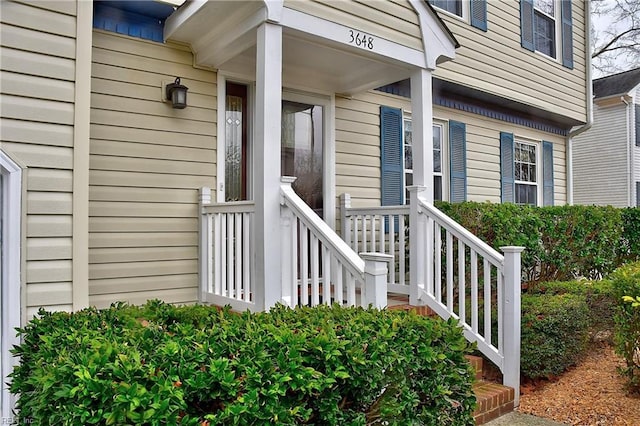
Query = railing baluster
x=474 y=291
x=223 y=260
x=380 y=221
x=339 y=291
x=326 y=276
x=449 y=242
x=356 y=235
x=230 y=257
x=487 y=301
x=315 y=279
x=238 y=255
x=351 y=290
x=374 y=238
x=246 y=256
x=293 y=264
x=438 y=262
x=462 y=288
x=365 y=240
x=402 y=254
x=304 y=264
x=217 y=255
x=392 y=247
x=499 y=285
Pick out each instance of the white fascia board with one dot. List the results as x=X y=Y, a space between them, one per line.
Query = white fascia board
x=178 y=18
x=341 y=34
x=436 y=41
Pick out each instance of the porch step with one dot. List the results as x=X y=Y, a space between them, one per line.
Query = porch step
x=493 y=399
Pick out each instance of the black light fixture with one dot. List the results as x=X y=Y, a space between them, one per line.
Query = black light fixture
x=177 y=94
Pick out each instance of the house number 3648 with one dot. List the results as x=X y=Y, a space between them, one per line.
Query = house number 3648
x=361 y=40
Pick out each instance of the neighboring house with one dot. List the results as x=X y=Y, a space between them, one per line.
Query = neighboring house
x=470 y=99
x=606 y=158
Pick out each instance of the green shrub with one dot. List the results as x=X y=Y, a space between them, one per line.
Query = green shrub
x=554 y=333
x=626 y=284
x=561 y=242
x=160 y=364
x=629 y=246
x=599 y=298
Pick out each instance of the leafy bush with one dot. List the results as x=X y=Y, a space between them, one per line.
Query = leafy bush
x=598 y=296
x=626 y=284
x=561 y=242
x=554 y=333
x=629 y=246
x=160 y=364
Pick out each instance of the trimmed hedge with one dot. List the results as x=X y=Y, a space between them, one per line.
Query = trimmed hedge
x=161 y=364
x=562 y=242
x=626 y=284
x=554 y=333
x=598 y=296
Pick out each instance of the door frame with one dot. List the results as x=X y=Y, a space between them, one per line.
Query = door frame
x=327 y=101
x=328 y=147
x=11 y=282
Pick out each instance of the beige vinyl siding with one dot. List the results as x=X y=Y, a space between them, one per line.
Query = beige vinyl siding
x=358 y=149
x=37 y=44
x=392 y=20
x=600 y=159
x=495 y=62
x=147 y=162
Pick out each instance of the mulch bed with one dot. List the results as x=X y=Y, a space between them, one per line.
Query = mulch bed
x=591 y=393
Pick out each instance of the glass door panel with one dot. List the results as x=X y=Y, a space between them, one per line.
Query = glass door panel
x=302 y=148
x=236 y=142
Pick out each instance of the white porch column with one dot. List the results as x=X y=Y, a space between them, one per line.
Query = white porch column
x=268 y=286
x=422 y=135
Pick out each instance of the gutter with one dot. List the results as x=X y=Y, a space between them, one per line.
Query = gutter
x=629 y=150
x=589 y=104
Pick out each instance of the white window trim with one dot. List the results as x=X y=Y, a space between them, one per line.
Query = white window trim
x=557 y=27
x=466 y=12
x=10 y=272
x=444 y=155
x=539 y=176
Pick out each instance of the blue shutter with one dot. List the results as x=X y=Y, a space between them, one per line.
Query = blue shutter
x=567 y=34
x=479 y=14
x=458 y=161
x=507 y=167
x=392 y=156
x=547 y=173
x=526 y=24
x=637 y=194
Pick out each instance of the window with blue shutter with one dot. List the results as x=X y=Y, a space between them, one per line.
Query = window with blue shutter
x=567 y=34
x=547 y=173
x=479 y=14
x=507 y=167
x=458 y=161
x=391 y=154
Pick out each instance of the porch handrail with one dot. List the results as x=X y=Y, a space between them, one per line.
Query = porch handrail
x=322 y=231
x=429 y=222
x=320 y=267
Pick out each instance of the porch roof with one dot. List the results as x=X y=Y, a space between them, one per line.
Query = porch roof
x=317 y=54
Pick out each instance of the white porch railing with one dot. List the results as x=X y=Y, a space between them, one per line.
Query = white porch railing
x=319 y=267
x=451 y=270
x=226 y=247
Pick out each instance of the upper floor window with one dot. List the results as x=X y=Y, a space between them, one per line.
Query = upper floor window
x=546 y=26
x=451 y=6
x=472 y=11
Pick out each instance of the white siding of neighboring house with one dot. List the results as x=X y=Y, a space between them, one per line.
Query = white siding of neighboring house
x=358 y=149
x=600 y=159
x=38 y=48
x=636 y=149
x=495 y=62
x=147 y=162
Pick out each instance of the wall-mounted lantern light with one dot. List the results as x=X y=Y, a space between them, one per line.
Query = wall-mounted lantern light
x=177 y=94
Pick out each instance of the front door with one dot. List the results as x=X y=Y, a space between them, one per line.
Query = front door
x=302 y=150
